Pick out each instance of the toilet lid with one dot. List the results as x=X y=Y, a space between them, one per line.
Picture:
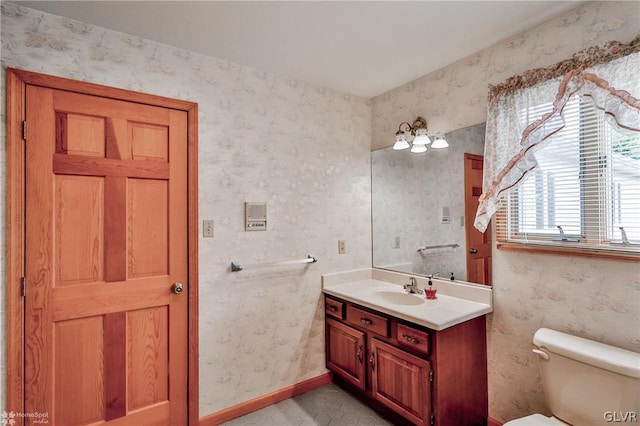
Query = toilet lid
x=536 y=420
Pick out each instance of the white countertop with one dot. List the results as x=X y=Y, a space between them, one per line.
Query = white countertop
x=438 y=314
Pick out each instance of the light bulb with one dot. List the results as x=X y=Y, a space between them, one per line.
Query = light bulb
x=401 y=141
x=422 y=138
x=440 y=142
x=417 y=149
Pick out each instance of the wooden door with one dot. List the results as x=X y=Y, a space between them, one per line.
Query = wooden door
x=346 y=352
x=478 y=243
x=400 y=381
x=106 y=239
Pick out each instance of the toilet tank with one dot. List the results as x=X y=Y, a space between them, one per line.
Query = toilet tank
x=587 y=382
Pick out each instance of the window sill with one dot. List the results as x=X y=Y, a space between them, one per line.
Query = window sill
x=568 y=251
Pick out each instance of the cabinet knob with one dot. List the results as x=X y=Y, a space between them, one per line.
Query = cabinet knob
x=333 y=308
x=411 y=339
x=360 y=354
x=473 y=251
x=372 y=361
x=366 y=321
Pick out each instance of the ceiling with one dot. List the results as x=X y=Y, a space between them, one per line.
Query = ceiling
x=361 y=47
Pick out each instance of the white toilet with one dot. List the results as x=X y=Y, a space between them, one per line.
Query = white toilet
x=585 y=382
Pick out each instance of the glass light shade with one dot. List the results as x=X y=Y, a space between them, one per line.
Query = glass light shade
x=440 y=142
x=417 y=149
x=421 y=137
x=401 y=142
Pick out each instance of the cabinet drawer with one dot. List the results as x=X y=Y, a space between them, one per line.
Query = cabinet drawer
x=334 y=308
x=413 y=338
x=372 y=322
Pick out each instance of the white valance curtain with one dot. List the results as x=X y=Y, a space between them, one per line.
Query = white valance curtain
x=608 y=75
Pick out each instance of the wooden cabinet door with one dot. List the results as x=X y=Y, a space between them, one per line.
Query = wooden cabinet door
x=400 y=381
x=106 y=241
x=346 y=352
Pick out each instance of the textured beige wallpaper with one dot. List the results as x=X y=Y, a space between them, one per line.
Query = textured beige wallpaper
x=455 y=96
x=593 y=298
x=304 y=150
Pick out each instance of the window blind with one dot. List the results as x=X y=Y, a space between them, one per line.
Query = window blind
x=585 y=191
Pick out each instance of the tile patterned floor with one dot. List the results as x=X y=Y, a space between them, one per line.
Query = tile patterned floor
x=327 y=405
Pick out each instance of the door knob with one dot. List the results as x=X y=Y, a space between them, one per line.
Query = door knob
x=473 y=251
x=177 y=288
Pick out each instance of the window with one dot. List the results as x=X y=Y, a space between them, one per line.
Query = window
x=562 y=155
x=585 y=191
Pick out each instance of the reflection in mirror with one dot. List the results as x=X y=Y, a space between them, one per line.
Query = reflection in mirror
x=418 y=200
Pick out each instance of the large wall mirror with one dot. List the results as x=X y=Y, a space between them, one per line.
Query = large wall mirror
x=418 y=208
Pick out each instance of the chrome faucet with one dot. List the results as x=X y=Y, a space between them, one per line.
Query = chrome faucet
x=412 y=287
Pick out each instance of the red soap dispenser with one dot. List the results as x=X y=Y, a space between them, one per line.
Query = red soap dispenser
x=430 y=292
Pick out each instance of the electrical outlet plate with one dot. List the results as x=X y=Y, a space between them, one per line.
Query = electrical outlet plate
x=342 y=246
x=207 y=228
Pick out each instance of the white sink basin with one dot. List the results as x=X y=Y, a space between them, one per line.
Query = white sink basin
x=398 y=298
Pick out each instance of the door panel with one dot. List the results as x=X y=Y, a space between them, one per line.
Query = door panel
x=79 y=208
x=148 y=331
x=79 y=349
x=80 y=134
x=147 y=231
x=149 y=142
x=105 y=238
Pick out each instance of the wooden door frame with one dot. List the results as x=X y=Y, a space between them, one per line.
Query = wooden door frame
x=470 y=215
x=17 y=80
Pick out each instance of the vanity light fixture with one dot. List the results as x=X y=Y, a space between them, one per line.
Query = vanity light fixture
x=420 y=137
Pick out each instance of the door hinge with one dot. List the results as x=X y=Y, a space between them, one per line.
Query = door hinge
x=431 y=375
x=23 y=283
x=433 y=419
x=24 y=130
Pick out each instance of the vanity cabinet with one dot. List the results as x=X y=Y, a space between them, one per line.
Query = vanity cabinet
x=428 y=377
